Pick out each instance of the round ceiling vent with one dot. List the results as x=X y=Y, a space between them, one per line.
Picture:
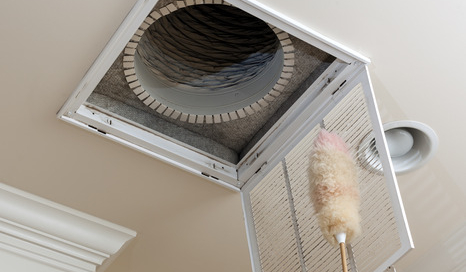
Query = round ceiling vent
x=207 y=63
x=411 y=144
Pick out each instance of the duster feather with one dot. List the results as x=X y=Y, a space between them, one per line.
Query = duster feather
x=334 y=187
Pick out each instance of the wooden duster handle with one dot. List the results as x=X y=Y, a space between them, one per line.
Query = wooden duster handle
x=343 y=257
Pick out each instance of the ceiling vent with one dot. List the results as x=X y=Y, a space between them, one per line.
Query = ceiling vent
x=207 y=85
x=234 y=92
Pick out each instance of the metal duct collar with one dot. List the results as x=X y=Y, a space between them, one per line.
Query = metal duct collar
x=200 y=62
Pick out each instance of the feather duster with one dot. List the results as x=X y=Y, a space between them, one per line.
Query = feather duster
x=334 y=188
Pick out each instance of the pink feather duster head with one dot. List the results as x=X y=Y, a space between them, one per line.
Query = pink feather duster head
x=334 y=187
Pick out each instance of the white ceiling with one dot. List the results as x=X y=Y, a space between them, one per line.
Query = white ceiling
x=184 y=222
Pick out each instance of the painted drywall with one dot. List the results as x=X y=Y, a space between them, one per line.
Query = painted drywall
x=185 y=222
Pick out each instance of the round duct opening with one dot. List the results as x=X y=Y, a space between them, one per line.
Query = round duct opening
x=207 y=60
x=411 y=144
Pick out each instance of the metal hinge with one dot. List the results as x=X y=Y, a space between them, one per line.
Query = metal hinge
x=209 y=176
x=260 y=168
x=339 y=87
x=98 y=130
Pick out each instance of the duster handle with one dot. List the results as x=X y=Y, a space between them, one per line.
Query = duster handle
x=343 y=257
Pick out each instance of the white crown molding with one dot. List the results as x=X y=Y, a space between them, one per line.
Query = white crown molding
x=56 y=235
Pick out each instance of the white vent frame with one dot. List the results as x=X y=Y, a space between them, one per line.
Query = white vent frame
x=232 y=176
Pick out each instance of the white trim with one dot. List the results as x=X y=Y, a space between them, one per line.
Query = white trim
x=56 y=235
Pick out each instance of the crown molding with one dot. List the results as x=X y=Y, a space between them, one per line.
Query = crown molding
x=56 y=235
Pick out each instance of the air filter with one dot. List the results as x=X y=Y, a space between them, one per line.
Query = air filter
x=283 y=227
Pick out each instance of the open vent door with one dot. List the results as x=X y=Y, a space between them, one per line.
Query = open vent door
x=282 y=227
